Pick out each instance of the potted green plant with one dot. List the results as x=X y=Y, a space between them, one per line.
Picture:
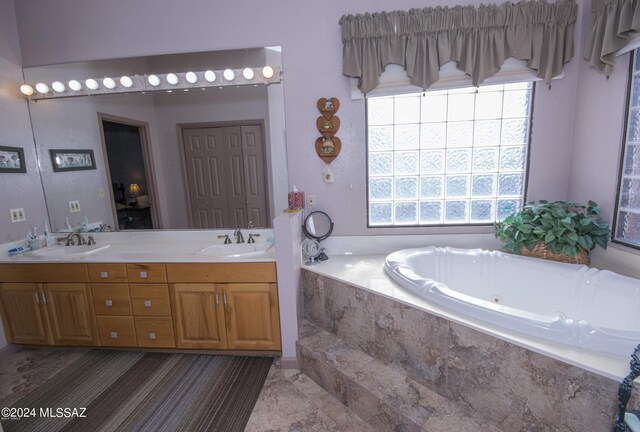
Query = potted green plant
x=560 y=231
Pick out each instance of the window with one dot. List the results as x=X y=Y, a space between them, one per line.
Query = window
x=448 y=157
x=627 y=220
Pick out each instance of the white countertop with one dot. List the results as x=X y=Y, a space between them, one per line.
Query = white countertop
x=152 y=246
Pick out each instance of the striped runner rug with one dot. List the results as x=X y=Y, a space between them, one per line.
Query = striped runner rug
x=136 y=391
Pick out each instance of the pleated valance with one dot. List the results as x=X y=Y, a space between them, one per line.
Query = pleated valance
x=478 y=39
x=613 y=22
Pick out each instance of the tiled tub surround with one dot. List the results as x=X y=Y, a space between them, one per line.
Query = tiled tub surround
x=509 y=386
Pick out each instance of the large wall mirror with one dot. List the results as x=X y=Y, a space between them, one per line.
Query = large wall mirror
x=195 y=158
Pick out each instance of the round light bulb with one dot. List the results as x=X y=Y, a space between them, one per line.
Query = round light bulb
x=109 y=83
x=26 y=89
x=57 y=86
x=247 y=73
x=191 y=77
x=126 y=81
x=42 y=88
x=91 y=84
x=75 y=85
x=228 y=74
x=267 y=72
x=172 y=79
x=210 y=76
x=153 y=80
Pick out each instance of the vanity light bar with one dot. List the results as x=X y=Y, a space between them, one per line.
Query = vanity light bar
x=155 y=82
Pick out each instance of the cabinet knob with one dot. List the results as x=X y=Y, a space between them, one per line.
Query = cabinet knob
x=114 y=335
x=104 y=275
x=152 y=335
x=143 y=275
x=108 y=303
x=147 y=303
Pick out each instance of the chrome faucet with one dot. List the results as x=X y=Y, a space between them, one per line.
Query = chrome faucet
x=238 y=234
x=251 y=237
x=81 y=239
x=226 y=238
x=250 y=225
x=105 y=227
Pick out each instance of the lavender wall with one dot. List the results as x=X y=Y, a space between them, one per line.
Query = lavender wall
x=596 y=150
x=312 y=59
x=18 y=190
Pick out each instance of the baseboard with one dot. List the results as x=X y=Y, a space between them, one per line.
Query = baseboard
x=8 y=349
x=289 y=362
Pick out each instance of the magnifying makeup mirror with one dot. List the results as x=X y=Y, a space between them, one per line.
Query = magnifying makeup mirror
x=317 y=226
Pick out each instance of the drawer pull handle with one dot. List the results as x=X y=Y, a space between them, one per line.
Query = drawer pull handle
x=143 y=275
x=147 y=303
x=37 y=299
x=224 y=296
x=114 y=335
x=104 y=275
x=44 y=297
x=108 y=303
x=152 y=335
x=217 y=299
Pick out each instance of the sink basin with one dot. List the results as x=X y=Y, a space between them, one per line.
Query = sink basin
x=66 y=251
x=234 y=250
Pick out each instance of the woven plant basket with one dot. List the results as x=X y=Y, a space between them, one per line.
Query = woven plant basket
x=541 y=251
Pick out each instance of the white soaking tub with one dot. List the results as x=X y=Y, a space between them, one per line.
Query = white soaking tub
x=572 y=304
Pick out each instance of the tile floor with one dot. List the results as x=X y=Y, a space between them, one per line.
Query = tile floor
x=289 y=401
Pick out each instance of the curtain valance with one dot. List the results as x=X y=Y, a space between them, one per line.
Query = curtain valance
x=611 y=27
x=478 y=39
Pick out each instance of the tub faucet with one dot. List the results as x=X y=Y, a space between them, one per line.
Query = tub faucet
x=81 y=239
x=238 y=234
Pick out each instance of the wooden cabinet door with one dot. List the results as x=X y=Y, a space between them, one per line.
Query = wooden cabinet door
x=25 y=316
x=252 y=317
x=198 y=316
x=69 y=313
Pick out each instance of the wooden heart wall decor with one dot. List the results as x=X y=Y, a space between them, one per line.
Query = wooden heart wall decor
x=328 y=146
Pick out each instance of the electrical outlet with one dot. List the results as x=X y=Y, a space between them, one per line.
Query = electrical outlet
x=311 y=201
x=74 y=206
x=18 y=215
x=100 y=192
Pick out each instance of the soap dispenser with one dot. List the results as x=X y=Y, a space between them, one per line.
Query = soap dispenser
x=85 y=225
x=48 y=238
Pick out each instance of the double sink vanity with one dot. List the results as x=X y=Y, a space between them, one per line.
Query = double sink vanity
x=163 y=289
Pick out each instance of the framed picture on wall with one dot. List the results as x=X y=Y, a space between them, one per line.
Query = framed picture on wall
x=72 y=160
x=12 y=160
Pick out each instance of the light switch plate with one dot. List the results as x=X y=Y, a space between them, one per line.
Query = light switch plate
x=17 y=215
x=74 y=206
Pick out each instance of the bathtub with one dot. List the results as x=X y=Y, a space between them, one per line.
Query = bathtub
x=571 y=304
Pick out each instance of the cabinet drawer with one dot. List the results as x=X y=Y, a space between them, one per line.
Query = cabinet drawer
x=107 y=272
x=43 y=273
x=146 y=273
x=116 y=331
x=155 y=332
x=111 y=299
x=222 y=272
x=150 y=299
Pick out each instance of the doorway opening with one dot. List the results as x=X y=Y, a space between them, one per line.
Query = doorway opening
x=126 y=155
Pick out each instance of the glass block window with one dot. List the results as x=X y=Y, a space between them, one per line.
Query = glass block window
x=448 y=157
x=627 y=221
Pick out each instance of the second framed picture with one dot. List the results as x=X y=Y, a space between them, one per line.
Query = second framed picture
x=72 y=160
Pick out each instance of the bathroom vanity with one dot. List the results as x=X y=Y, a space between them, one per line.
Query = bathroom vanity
x=187 y=302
